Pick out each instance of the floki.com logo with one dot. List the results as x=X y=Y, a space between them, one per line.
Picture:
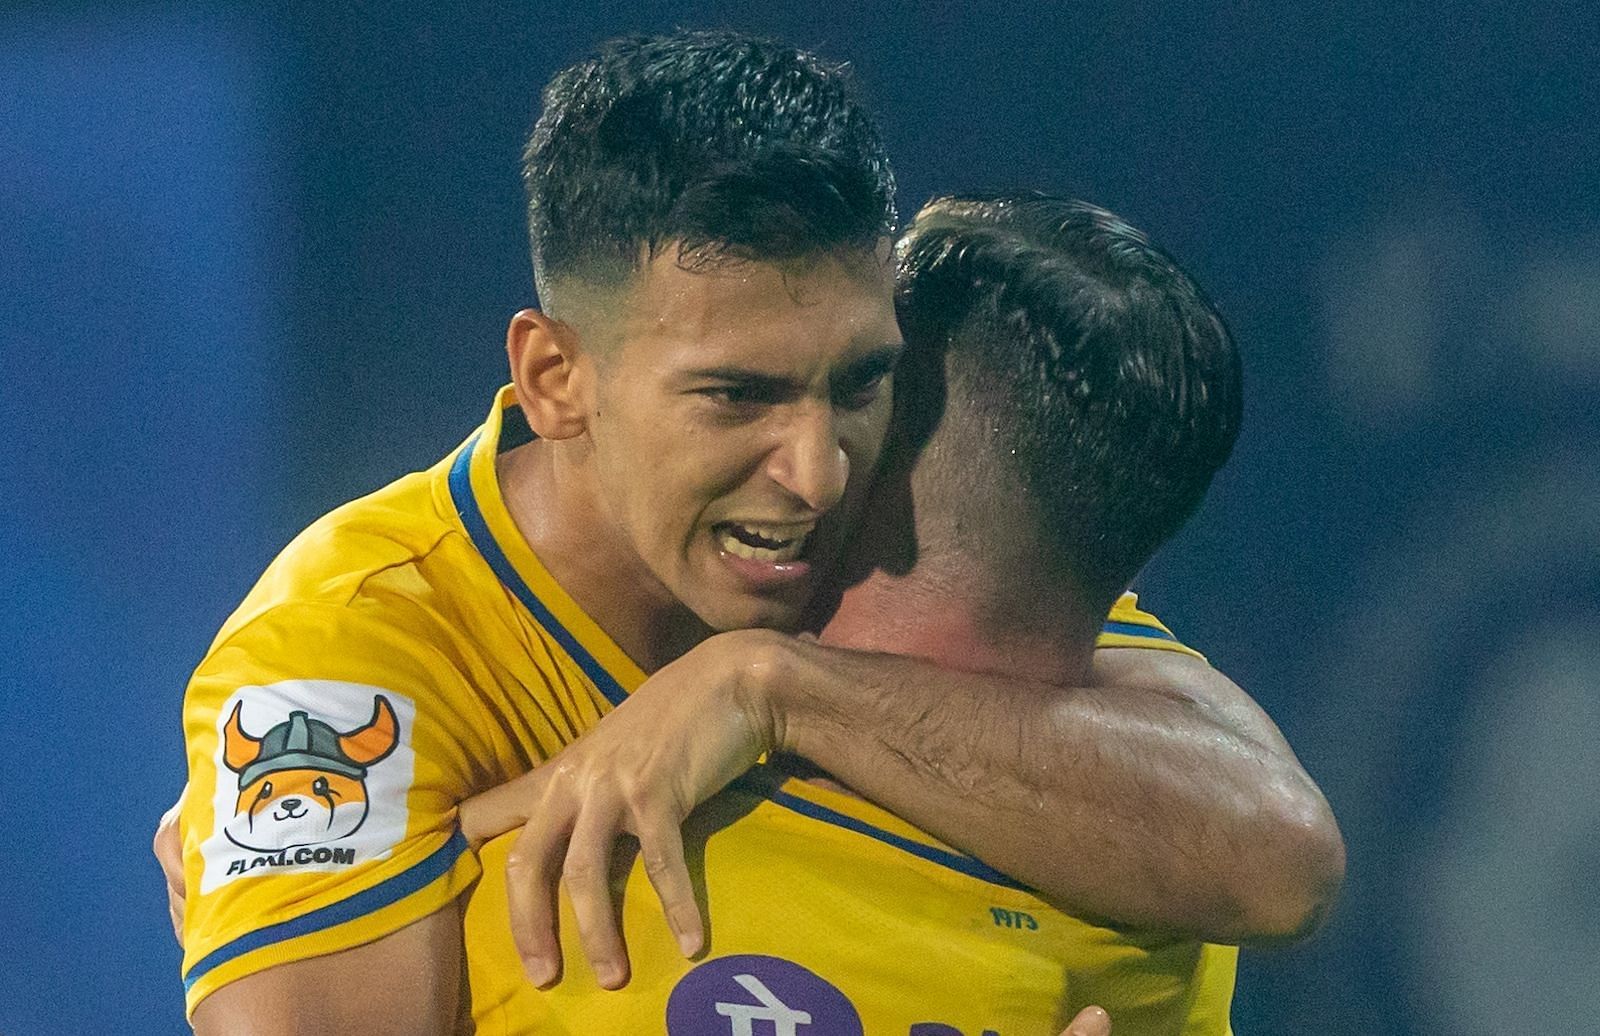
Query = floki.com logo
x=311 y=775
x=303 y=782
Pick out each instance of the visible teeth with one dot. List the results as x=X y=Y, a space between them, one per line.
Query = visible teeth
x=790 y=541
x=780 y=533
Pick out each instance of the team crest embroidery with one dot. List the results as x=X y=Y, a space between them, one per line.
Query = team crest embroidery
x=311 y=775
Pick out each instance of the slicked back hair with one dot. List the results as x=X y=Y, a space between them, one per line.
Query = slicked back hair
x=722 y=145
x=1090 y=366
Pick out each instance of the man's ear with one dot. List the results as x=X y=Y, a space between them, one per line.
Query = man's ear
x=551 y=374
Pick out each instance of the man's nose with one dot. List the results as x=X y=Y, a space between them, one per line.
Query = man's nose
x=811 y=462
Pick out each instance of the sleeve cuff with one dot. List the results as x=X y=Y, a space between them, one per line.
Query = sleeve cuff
x=366 y=916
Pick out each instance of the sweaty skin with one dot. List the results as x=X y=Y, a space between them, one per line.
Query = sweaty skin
x=962 y=755
x=746 y=400
x=1013 y=768
x=1140 y=787
x=700 y=406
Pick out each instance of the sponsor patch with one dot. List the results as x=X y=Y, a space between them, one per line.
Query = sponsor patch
x=753 y=995
x=312 y=775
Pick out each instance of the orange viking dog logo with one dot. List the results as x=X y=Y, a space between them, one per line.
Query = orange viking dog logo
x=303 y=782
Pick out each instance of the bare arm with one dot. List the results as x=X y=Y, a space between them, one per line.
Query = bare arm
x=1162 y=796
x=405 y=984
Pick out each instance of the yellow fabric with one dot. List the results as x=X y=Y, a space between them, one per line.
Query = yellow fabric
x=385 y=596
x=831 y=883
x=1128 y=626
x=394 y=597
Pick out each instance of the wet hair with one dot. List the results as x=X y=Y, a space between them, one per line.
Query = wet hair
x=725 y=146
x=1085 y=366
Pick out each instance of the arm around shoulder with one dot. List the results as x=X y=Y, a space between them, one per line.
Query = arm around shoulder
x=1159 y=796
x=1289 y=873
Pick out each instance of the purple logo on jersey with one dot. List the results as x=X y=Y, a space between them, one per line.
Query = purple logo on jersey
x=755 y=995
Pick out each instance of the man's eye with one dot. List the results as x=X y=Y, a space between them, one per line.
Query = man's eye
x=859 y=392
x=740 y=395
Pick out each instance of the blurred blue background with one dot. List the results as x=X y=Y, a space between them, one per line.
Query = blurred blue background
x=257 y=260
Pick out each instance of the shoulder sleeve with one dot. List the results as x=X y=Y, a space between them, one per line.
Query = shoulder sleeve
x=1128 y=626
x=327 y=749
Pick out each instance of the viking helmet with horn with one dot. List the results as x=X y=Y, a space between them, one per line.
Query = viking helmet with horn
x=301 y=742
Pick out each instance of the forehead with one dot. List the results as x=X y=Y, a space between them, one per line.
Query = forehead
x=822 y=307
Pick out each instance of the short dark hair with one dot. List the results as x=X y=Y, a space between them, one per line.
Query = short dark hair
x=1105 y=381
x=728 y=145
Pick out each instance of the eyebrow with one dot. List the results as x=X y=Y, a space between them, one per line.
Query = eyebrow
x=733 y=374
x=886 y=355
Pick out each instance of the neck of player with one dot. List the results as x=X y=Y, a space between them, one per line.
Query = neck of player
x=556 y=514
x=933 y=613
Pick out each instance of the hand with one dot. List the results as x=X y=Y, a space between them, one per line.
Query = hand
x=168 y=847
x=1091 y=1021
x=679 y=739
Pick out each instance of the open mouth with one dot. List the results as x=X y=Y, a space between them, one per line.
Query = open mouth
x=774 y=544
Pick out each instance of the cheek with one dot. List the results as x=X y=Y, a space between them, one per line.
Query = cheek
x=683 y=470
x=650 y=498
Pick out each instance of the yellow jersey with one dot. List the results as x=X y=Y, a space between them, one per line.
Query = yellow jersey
x=828 y=915
x=405 y=652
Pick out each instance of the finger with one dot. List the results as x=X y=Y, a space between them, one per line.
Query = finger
x=175 y=911
x=168 y=847
x=661 y=847
x=501 y=809
x=587 y=873
x=1091 y=1021
x=533 y=871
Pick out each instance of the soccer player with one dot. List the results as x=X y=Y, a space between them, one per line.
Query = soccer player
x=1090 y=392
x=689 y=434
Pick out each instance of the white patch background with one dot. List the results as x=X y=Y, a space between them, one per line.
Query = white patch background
x=343 y=706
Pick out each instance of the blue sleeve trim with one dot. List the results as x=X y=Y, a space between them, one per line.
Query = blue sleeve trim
x=954 y=861
x=466 y=504
x=1133 y=629
x=390 y=890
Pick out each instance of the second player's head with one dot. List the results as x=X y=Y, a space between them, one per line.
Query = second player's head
x=1091 y=392
x=709 y=216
